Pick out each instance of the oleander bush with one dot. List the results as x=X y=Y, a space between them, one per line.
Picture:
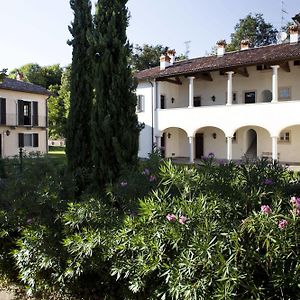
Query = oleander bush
x=163 y=231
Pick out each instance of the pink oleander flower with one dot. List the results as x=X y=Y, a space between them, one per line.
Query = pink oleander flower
x=282 y=224
x=182 y=220
x=146 y=172
x=152 y=178
x=171 y=217
x=265 y=209
x=295 y=202
x=123 y=183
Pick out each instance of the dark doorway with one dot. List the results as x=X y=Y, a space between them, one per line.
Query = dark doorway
x=250 y=97
x=163 y=145
x=162 y=101
x=251 y=137
x=0 y=146
x=199 y=145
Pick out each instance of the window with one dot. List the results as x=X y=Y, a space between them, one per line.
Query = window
x=284 y=93
x=250 y=97
x=162 y=101
x=28 y=139
x=285 y=137
x=262 y=67
x=2 y=111
x=27 y=113
x=140 y=103
x=197 y=101
x=296 y=62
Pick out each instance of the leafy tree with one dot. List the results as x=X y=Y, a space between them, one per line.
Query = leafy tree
x=254 y=28
x=2 y=74
x=115 y=127
x=81 y=92
x=147 y=56
x=44 y=76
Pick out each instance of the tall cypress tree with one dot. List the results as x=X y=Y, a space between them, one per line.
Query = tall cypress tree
x=115 y=128
x=78 y=144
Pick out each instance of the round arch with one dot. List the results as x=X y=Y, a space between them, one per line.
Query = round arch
x=210 y=139
x=175 y=142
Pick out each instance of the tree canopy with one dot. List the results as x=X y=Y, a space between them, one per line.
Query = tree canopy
x=147 y=56
x=115 y=127
x=78 y=146
x=40 y=75
x=254 y=28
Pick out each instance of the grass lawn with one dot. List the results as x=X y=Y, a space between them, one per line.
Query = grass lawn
x=57 y=153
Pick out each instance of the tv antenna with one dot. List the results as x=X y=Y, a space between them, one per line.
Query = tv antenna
x=187 y=48
x=283 y=14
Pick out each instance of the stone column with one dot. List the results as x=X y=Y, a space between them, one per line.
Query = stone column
x=229 y=148
x=274 y=148
x=191 y=146
x=158 y=104
x=191 y=92
x=275 y=83
x=229 y=87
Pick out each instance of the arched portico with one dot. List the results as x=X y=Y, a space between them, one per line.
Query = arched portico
x=174 y=143
x=252 y=142
x=209 y=139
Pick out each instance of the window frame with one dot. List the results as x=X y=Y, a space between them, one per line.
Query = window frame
x=283 y=137
x=281 y=90
x=140 y=106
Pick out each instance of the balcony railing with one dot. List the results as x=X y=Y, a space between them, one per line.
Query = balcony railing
x=12 y=120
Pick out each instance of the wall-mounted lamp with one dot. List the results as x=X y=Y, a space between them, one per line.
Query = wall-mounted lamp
x=172 y=99
x=169 y=135
x=214 y=135
x=213 y=98
x=7 y=132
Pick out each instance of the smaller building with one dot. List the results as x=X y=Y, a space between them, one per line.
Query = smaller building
x=23 y=118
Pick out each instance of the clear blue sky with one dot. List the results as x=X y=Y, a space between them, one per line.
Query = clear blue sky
x=37 y=30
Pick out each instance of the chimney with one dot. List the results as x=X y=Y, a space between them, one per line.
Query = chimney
x=245 y=44
x=221 y=48
x=171 y=54
x=19 y=76
x=294 y=33
x=164 y=61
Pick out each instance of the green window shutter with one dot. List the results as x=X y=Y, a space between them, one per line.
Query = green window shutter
x=21 y=140
x=35 y=120
x=3 y=111
x=20 y=112
x=35 y=140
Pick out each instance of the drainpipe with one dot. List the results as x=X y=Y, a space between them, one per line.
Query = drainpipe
x=152 y=114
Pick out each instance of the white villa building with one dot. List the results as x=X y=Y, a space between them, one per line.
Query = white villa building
x=235 y=104
x=23 y=118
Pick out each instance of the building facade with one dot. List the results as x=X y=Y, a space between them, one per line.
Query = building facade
x=237 y=104
x=23 y=118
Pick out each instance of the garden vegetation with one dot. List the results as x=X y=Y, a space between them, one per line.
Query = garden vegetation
x=162 y=231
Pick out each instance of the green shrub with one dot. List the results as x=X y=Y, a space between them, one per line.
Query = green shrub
x=214 y=231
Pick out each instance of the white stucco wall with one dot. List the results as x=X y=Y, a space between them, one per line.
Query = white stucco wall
x=10 y=143
x=145 y=141
x=267 y=119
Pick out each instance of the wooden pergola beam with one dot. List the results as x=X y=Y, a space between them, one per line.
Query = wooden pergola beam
x=204 y=76
x=285 y=66
x=242 y=71
x=170 y=80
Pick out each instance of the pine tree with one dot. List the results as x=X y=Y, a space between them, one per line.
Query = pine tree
x=81 y=96
x=115 y=128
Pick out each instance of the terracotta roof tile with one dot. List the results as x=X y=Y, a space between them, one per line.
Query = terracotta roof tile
x=21 y=86
x=253 y=56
